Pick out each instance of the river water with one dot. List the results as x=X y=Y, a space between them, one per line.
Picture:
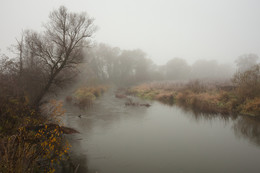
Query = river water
x=115 y=138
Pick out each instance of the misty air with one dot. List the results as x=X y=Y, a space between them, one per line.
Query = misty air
x=120 y=86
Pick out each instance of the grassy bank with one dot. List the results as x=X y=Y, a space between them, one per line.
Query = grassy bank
x=31 y=138
x=195 y=95
x=85 y=95
x=30 y=141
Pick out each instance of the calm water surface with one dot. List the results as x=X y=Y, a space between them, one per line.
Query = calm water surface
x=118 y=139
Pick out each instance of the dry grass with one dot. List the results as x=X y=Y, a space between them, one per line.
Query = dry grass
x=84 y=96
x=204 y=102
x=165 y=96
x=251 y=107
x=202 y=97
x=24 y=146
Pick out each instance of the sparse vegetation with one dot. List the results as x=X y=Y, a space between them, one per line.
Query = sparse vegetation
x=243 y=99
x=84 y=96
x=29 y=141
x=31 y=133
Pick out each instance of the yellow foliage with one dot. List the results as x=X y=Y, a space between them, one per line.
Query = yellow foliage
x=84 y=96
x=84 y=93
x=23 y=147
x=251 y=107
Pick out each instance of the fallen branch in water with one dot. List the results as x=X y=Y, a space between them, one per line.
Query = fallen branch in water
x=131 y=103
x=120 y=96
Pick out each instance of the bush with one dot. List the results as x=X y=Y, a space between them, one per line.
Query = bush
x=69 y=99
x=84 y=96
x=28 y=143
x=195 y=86
x=251 y=107
x=165 y=97
x=248 y=83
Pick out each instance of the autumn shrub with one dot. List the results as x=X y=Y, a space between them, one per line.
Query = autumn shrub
x=84 y=96
x=99 y=90
x=224 y=96
x=150 y=94
x=28 y=142
x=248 y=83
x=195 y=86
x=69 y=99
x=203 y=102
x=208 y=98
x=84 y=92
x=182 y=96
x=31 y=151
x=165 y=97
x=251 y=107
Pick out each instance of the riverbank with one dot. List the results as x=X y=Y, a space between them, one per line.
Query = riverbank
x=31 y=140
x=203 y=98
x=160 y=134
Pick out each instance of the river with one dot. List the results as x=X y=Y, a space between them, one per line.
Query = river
x=115 y=138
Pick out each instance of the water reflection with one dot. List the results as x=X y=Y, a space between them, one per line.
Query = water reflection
x=106 y=112
x=249 y=128
x=116 y=138
x=77 y=161
x=244 y=126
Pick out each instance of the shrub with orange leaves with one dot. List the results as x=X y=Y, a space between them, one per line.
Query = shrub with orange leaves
x=251 y=107
x=27 y=149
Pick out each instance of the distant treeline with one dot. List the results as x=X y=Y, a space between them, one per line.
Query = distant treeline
x=110 y=64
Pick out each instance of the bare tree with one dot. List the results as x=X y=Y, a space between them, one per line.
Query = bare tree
x=18 y=50
x=58 y=48
x=246 y=61
x=177 y=69
x=248 y=82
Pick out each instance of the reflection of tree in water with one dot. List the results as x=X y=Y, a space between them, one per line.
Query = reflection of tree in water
x=77 y=161
x=244 y=126
x=106 y=111
x=248 y=127
x=199 y=115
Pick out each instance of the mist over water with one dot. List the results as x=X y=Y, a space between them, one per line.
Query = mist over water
x=130 y=86
x=115 y=138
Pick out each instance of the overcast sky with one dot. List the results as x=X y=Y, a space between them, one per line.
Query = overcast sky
x=164 y=29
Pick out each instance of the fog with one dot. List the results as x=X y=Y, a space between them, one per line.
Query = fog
x=106 y=64
x=172 y=81
x=193 y=30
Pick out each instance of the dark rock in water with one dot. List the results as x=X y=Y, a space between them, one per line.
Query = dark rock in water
x=79 y=116
x=131 y=103
x=69 y=99
x=120 y=96
x=146 y=105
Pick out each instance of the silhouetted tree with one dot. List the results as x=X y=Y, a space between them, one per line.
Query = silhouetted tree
x=177 y=69
x=246 y=61
x=248 y=82
x=118 y=66
x=58 y=49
